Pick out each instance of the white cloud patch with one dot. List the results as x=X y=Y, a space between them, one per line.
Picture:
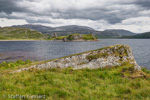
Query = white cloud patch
x=138 y=25
x=9 y=22
x=98 y=24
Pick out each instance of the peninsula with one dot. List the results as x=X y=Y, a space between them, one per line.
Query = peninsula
x=23 y=34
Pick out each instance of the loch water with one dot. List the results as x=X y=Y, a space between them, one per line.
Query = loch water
x=46 y=50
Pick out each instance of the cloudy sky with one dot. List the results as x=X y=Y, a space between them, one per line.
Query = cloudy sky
x=133 y=15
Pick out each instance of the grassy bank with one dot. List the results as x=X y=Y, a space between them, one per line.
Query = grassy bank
x=86 y=84
x=11 y=33
x=70 y=37
x=13 y=65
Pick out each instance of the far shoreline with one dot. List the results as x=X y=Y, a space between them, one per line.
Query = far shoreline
x=54 y=40
x=26 y=40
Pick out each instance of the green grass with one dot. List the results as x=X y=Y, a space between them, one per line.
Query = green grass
x=12 y=65
x=60 y=37
x=88 y=37
x=85 y=84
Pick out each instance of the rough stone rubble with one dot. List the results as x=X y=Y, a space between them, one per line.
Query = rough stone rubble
x=80 y=61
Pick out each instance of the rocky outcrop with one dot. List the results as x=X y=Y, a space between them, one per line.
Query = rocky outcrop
x=76 y=37
x=73 y=37
x=65 y=39
x=54 y=35
x=105 y=57
x=79 y=37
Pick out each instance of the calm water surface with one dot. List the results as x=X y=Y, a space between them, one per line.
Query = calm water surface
x=45 y=50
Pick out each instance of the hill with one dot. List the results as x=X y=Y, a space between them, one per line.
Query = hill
x=9 y=33
x=40 y=28
x=73 y=28
x=120 y=32
x=113 y=33
x=139 y=36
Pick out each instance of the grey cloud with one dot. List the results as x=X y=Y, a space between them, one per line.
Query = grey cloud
x=143 y=3
x=9 y=6
x=97 y=14
x=110 y=13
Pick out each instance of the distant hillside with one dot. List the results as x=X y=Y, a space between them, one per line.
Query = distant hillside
x=40 y=28
x=120 y=32
x=105 y=34
x=46 y=29
x=7 y=33
x=113 y=33
x=72 y=29
x=139 y=36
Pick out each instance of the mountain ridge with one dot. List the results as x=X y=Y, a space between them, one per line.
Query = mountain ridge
x=42 y=28
x=121 y=31
x=72 y=29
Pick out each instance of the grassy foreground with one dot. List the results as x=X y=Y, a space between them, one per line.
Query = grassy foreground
x=68 y=84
